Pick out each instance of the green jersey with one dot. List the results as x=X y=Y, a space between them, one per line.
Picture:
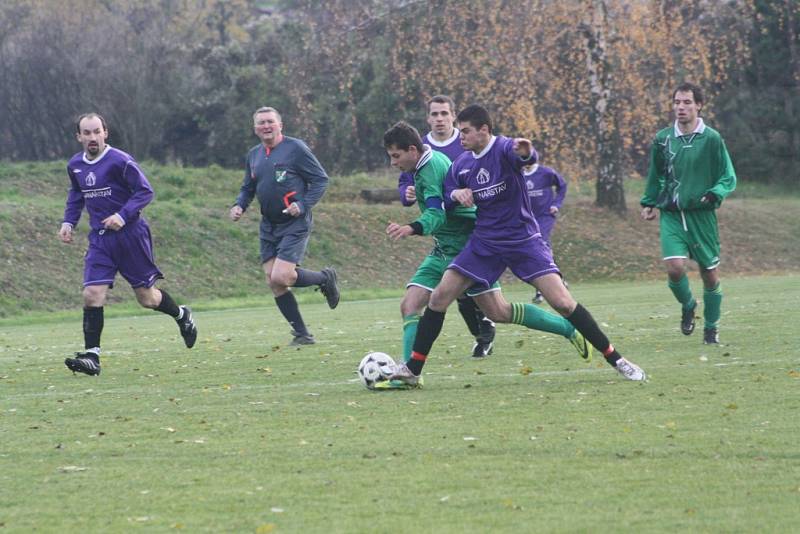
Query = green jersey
x=684 y=168
x=450 y=229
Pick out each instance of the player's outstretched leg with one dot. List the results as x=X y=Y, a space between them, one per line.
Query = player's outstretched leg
x=586 y=325
x=535 y=318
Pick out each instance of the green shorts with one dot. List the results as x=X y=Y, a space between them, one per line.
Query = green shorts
x=690 y=234
x=431 y=270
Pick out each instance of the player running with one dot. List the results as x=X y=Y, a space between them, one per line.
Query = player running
x=109 y=183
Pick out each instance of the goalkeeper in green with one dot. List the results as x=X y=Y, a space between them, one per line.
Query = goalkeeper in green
x=690 y=174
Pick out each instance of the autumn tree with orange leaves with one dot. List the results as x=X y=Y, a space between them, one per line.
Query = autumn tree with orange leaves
x=589 y=80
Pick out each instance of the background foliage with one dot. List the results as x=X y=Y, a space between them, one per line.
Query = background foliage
x=590 y=80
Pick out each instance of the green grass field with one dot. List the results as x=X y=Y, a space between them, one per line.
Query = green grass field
x=243 y=434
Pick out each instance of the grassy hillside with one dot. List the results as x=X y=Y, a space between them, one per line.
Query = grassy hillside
x=205 y=256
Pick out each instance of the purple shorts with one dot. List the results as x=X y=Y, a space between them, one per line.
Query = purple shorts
x=485 y=262
x=128 y=251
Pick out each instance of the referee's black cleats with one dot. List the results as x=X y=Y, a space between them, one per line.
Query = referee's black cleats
x=187 y=326
x=299 y=339
x=687 y=320
x=329 y=287
x=87 y=363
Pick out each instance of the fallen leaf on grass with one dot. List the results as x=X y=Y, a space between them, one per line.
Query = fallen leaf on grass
x=266 y=528
x=792 y=373
x=525 y=371
x=71 y=469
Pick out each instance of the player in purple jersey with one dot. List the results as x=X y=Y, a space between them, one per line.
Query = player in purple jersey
x=443 y=138
x=288 y=181
x=109 y=183
x=546 y=190
x=506 y=235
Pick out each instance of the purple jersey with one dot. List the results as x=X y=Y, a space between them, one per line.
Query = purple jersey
x=450 y=147
x=111 y=183
x=498 y=190
x=540 y=182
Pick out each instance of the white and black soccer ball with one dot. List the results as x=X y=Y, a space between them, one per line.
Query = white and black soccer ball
x=375 y=367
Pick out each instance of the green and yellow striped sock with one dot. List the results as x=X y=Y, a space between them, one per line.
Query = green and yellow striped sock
x=536 y=318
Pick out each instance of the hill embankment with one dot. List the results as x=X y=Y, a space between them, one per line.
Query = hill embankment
x=206 y=256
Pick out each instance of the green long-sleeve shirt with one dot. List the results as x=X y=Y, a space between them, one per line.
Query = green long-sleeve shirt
x=684 y=168
x=450 y=229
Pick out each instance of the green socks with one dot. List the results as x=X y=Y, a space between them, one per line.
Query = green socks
x=536 y=318
x=682 y=292
x=410 y=323
x=712 y=306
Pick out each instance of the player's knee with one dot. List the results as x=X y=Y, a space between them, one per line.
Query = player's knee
x=148 y=299
x=408 y=308
x=563 y=304
x=94 y=296
x=675 y=272
x=498 y=314
x=439 y=301
x=279 y=282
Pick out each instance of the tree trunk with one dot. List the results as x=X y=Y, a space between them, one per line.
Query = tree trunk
x=610 y=189
x=793 y=91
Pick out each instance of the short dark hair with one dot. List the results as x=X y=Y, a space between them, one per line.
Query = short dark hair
x=89 y=116
x=476 y=115
x=403 y=136
x=685 y=87
x=442 y=99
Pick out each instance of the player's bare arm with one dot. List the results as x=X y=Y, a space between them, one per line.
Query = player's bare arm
x=398 y=231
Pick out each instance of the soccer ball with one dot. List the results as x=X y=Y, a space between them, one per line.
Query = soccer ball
x=375 y=367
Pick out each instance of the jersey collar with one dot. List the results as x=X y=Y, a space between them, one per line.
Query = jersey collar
x=486 y=149
x=700 y=128
x=431 y=141
x=98 y=158
x=427 y=153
